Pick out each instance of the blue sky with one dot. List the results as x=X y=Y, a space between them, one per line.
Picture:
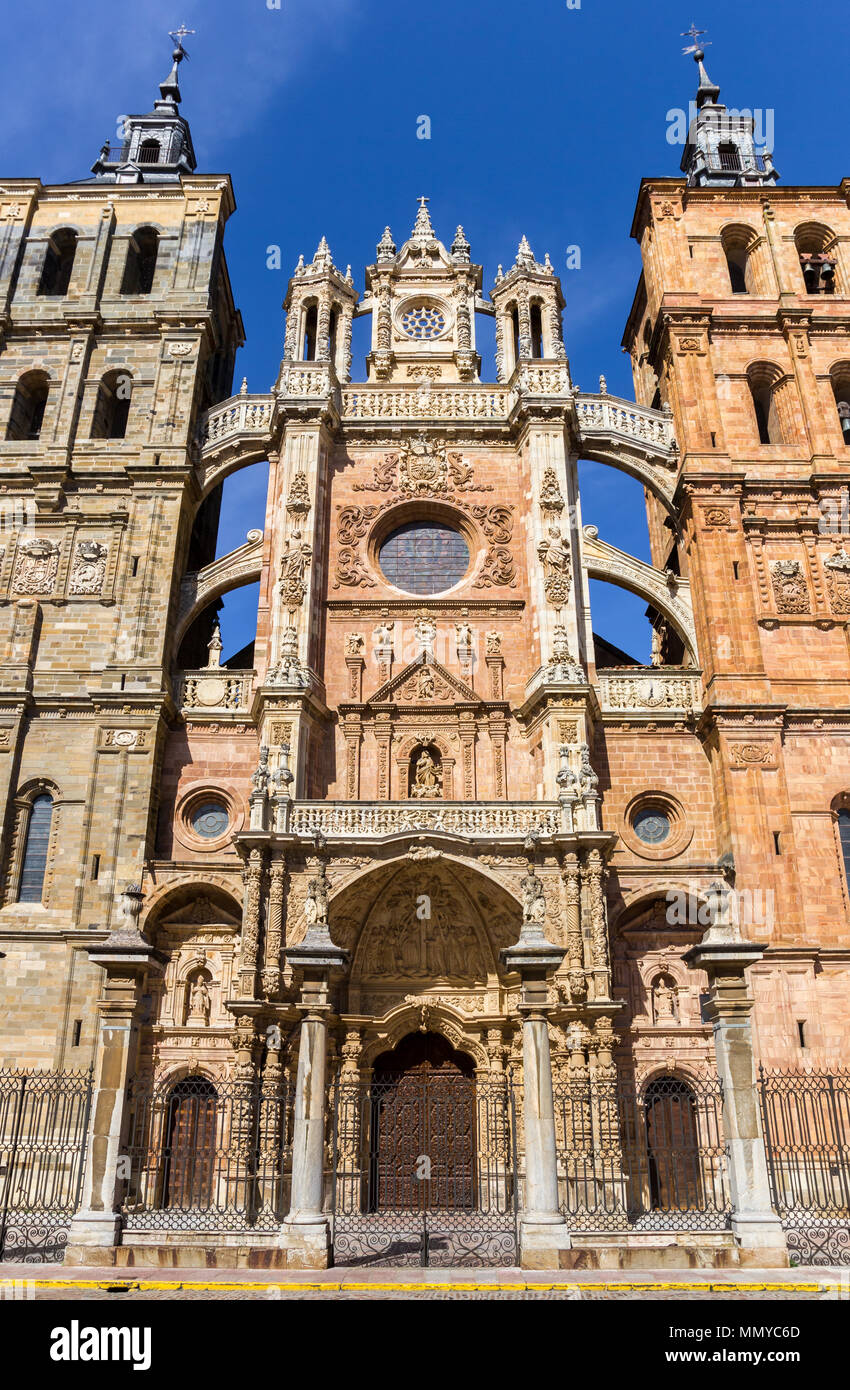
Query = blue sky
x=544 y=118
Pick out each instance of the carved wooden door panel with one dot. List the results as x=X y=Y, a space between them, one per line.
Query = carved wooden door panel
x=423 y=1117
x=190 y=1152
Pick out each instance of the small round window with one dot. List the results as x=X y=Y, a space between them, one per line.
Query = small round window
x=651 y=825
x=209 y=819
x=423 y=321
x=424 y=557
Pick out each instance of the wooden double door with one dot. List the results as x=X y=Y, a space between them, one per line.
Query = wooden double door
x=423 y=1127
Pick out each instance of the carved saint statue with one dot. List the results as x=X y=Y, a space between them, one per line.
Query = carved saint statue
x=427 y=777
x=425 y=686
x=426 y=634
x=533 y=900
x=316 y=902
x=556 y=567
x=664 y=999
x=657 y=657
x=383 y=635
x=199 y=1000
x=293 y=565
x=463 y=633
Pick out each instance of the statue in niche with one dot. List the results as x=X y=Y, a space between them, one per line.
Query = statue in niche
x=200 y=1000
x=426 y=779
x=316 y=902
x=425 y=687
x=533 y=900
x=665 y=1001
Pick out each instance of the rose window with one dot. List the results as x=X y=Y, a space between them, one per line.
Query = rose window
x=423 y=321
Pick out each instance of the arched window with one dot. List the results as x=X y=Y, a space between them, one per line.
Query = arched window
x=840 y=377
x=311 y=324
x=34 y=862
x=112 y=406
x=739 y=248
x=536 y=318
x=816 y=250
x=58 y=263
x=28 y=407
x=515 y=333
x=149 y=152
x=333 y=334
x=141 y=262
x=843 y=819
x=763 y=384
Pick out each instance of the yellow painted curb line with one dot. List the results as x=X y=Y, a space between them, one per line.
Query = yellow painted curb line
x=173 y=1286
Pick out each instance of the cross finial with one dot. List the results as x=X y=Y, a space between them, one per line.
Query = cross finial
x=422 y=201
x=695 y=34
x=178 y=35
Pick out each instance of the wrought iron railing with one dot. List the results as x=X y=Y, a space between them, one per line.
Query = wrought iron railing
x=635 y=1158
x=44 y=1117
x=806 y=1122
x=424 y=1170
x=208 y=1157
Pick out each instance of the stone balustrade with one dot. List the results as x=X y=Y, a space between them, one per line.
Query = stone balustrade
x=650 y=690
x=610 y=416
x=427 y=403
x=236 y=418
x=475 y=820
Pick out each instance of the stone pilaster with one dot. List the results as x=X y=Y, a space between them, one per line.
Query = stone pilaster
x=756 y=1227
x=127 y=959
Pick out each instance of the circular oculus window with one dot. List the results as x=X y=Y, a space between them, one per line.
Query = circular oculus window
x=424 y=557
x=209 y=819
x=651 y=825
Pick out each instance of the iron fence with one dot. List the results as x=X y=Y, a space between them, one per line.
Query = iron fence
x=648 y=1158
x=208 y=1157
x=44 y=1119
x=806 y=1122
x=424 y=1171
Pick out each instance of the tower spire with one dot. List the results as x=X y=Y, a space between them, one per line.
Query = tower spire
x=720 y=149
x=157 y=147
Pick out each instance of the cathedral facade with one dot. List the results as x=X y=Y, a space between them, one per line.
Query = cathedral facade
x=427 y=828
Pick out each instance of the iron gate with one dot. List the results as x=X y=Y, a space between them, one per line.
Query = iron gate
x=806 y=1119
x=424 y=1171
x=44 y=1118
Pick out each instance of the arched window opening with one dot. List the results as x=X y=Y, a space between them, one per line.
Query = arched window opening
x=764 y=390
x=737 y=263
x=536 y=317
x=841 y=392
x=112 y=406
x=815 y=249
x=28 y=407
x=149 y=152
x=141 y=262
x=311 y=324
x=515 y=332
x=34 y=863
x=843 y=819
x=333 y=335
x=188 y=1168
x=58 y=263
x=674 y=1165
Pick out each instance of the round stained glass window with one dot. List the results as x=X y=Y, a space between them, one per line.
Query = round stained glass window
x=424 y=557
x=209 y=819
x=423 y=321
x=652 y=825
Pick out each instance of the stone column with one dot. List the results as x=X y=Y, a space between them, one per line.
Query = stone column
x=305 y=1234
x=544 y=1236
x=127 y=958
x=756 y=1227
